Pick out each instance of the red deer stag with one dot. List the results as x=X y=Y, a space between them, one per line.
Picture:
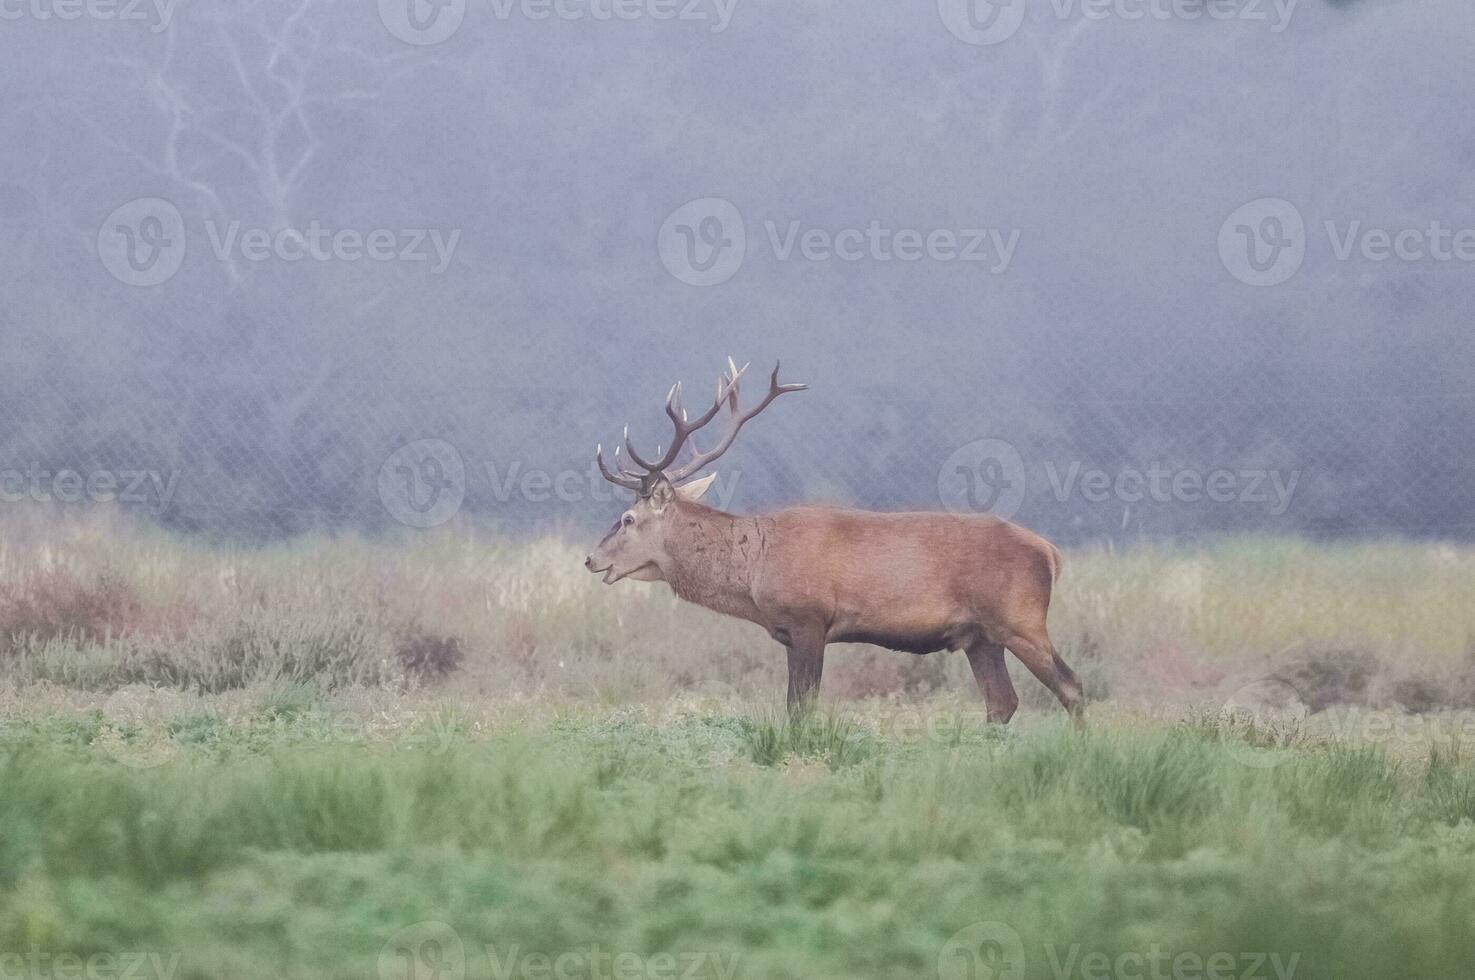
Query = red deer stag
x=811 y=576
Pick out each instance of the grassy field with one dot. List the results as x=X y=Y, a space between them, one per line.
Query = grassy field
x=450 y=757
x=301 y=841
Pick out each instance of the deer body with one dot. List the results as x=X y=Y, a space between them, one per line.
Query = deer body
x=912 y=582
x=917 y=583
x=812 y=576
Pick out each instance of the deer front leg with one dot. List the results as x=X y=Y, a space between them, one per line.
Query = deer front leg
x=806 y=664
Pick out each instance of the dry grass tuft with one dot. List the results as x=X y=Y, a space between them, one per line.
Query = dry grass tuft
x=430 y=655
x=90 y=603
x=53 y=602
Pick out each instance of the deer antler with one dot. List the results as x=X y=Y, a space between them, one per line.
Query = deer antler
x=727 y=391
x=701 y=459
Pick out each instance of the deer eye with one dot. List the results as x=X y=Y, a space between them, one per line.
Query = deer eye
x=628 y=520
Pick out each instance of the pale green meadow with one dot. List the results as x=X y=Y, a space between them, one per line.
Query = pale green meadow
x=446 y=755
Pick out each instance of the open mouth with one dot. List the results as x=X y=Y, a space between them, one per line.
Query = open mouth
x=609 y=574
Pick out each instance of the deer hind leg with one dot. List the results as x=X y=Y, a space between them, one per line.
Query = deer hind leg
x=1036 y=652
x=992 y=675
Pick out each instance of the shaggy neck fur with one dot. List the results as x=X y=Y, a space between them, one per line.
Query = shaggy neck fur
x=711 y=557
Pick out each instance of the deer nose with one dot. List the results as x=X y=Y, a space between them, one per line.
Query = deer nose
x=589 y=563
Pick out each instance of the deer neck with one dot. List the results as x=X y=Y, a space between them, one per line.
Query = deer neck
x=711 y=556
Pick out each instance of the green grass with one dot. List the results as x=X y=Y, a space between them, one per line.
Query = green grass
x=289 y=843
x=454 y=756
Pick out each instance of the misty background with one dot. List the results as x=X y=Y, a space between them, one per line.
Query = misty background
x=265 y=396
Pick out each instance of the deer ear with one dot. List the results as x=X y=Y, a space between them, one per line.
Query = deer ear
x=696 y=489
x=662 y=494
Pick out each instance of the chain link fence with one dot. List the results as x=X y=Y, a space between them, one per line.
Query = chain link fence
x=278 y=268
x=256 y=458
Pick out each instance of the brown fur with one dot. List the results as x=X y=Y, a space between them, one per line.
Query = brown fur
x=811 y=576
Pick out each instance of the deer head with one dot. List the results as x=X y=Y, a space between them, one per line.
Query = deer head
x=636 y=546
